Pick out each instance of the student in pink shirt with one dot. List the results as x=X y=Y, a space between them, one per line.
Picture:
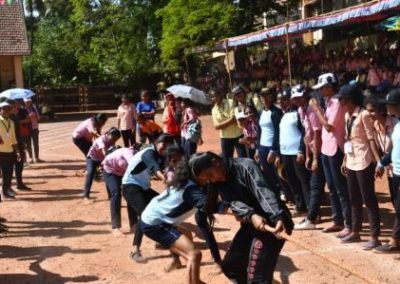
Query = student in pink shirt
x=313 y=128
x=333 y=134
x=361 y=155
x=114 y=167
x=126 y=119
x=374 y=78
x=97 y=154
x=87 y=131
x=34 y=137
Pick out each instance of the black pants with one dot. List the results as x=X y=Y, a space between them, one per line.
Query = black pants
x=252 y=256
x=83 y=145
x=393 y=183
x=299 y=181
x=33 y=139
x=7 y=164
x=113 y=184
x=206 y=230
x=317 y=186
x=129 y=137
x=19 y=168
x=228 y=145
x=189 y=147
x=361 y=185
x=138 y=198
x=396 y=227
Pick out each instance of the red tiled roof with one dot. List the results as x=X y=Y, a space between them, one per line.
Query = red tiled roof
x=13 y=35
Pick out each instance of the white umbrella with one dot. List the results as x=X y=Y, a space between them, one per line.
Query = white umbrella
x=17 y=94
x=188 y=92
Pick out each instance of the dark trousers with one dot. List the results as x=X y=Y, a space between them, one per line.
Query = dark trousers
x=393 y=183
x=91 y=167
x=206 y=230
x=299 y=181
x=189 y=147
x=361 y=185
x=317 y=186
x=19 y=168
x=396 y=227
x=33 y=139
x=250 y=152
x=114 y=188
x=138 y=198
x=6 y=165
x=128 y=137
x=252 y=256
x=228 y=145
x=269 y=170
x=337 y=184
x=83 y=145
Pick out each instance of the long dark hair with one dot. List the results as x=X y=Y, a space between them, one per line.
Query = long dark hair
x=198 y=163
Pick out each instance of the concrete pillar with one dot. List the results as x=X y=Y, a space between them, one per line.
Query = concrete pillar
x=19 y=77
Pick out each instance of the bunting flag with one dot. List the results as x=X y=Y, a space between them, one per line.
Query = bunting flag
x=390 y=24
x=3 y=2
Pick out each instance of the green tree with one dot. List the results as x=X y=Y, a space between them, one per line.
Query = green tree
x=190 y=23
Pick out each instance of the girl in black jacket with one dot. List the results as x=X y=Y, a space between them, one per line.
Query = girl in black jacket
x=254 y=251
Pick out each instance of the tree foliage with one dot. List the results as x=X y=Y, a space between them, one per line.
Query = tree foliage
x=115 y=41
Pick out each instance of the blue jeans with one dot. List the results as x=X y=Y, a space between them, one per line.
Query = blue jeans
x=269 y=170
x=114 y=187
x=91 y=166
x=228 y=145
x=317 y=186
x=337 y=184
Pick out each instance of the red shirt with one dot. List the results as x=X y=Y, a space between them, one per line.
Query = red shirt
x=171 y=127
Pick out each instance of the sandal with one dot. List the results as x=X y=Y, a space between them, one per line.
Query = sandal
x=387 y=248
x=333 y=229
x=351 y=239
x=343 y=233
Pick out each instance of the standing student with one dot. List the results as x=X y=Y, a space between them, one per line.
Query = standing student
x=114 y=167
x=97 y=154
x=268 y=148
x=25 y=128
x=172 y=125
x=359 y=164
x=19 y=164
x=136 y=184
x=191 y=129
x=87 y=131
x=392 y=102
x=224 y=120
x=292 y=152
x=312 y=139
x=333 y=138
x=147 y=109
x=126 y=119
x=384 y=125
x=8 y=148
x=248 y=121
x=254 y=251
x=34 y=137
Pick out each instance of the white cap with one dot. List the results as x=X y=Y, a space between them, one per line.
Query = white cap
x=241 y=115
x=297 y=91
x=4 y=104
x=27 y=99
x=324 y=79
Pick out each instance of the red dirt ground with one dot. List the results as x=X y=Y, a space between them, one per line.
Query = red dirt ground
x=55 y=238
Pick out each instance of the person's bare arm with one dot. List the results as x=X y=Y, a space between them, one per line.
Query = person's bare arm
x=224 y=124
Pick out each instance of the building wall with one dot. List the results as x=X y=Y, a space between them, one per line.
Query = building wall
x=7 y=75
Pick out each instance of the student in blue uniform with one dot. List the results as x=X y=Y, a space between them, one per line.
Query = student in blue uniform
x=136 y=183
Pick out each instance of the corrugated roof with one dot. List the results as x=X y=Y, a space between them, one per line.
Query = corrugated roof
x=13 y=35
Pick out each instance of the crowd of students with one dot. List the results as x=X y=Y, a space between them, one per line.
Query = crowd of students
x=19 y=135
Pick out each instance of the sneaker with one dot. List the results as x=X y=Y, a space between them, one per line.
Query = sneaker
x=137 y=257
x=351 y=239
x=305 y=225
x=11 y=192
x=7 y=196
x=23 y=187
x=387 y=248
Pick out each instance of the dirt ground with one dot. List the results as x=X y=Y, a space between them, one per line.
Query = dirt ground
x=54 y=237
